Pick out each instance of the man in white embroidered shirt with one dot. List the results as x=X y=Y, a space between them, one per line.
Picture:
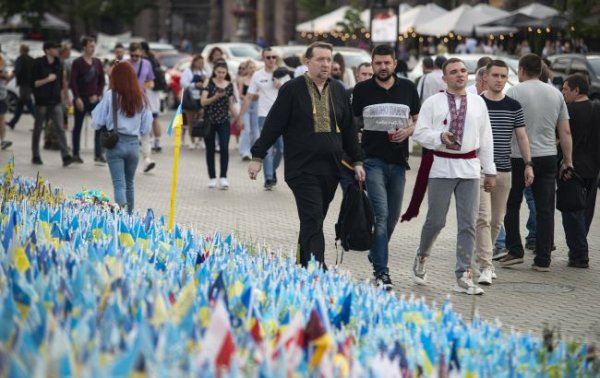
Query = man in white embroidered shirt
x=455 y=126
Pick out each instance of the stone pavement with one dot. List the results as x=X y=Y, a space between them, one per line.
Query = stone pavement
x=566 y=298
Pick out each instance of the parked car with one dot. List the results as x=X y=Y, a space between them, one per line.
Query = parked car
x=235 y=51
x=565 y=65
x=352 y=56
x=471 y=63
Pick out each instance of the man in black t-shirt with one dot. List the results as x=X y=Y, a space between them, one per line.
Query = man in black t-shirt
x=506 y=117
x=47 y=83
x=585 y=128
x=387 y=105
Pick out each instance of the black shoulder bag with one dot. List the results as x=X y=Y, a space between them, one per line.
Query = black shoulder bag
x=109 y=138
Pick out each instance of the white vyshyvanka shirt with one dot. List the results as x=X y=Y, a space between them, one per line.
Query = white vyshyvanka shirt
x=477 y=136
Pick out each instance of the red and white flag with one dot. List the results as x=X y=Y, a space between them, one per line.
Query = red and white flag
x=218 y=346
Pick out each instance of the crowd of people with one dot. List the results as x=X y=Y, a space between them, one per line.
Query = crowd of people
x=480 y=145
x=485 y=147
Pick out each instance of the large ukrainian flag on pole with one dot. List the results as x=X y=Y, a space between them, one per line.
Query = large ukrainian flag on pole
x=176 y=124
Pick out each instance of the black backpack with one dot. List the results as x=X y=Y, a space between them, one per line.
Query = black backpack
x=160 y=82
x=356 y=224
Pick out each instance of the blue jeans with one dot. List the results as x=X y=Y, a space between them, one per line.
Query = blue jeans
x=274 y=155
x=122 y=162
x=385 y=187
x=251 y=132
x=79 y=117
x=501 y=239
x=531 y=220
x=223 y=131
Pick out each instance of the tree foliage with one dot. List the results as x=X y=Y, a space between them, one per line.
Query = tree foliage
x=581 y=20
x=352 y=21
x=316 y=8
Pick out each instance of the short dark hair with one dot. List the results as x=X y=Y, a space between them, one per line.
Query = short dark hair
x=363 y=64
x=134 y=46
x=87 y=39
x=439 y=61
x=428 y=62
x=496 y=63
x=483 y=62
x=531 y=65
x=119 y=45
x=317 y=45
x=580 y=81
x=450 y=61
x=383 y=50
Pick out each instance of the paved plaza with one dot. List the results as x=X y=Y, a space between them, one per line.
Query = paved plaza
x=567 y=298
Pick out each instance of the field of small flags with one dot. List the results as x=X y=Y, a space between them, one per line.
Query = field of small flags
x=87 y=290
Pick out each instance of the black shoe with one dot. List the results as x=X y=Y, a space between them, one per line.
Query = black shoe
x=100 y=159
x=149 y=167
x=5 y=144
x=67 y=160
x=530 y=244
x=77 y=159
x=383 y=280
x=37 y=160
x=578 y=264
x=11 y=125
x=274 y=178
x=269 y=185
x=157 y=149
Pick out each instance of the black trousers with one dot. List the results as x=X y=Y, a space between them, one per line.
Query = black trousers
x=313 y=195
x=544 y=194
x=577 y=224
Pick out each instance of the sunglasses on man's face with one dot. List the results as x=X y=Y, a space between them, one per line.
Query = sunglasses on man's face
x=135 y=56
x=271 y=57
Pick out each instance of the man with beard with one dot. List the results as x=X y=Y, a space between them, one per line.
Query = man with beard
x=313 y=115
x=455 y=126
x=387 y=105
x=336 y=73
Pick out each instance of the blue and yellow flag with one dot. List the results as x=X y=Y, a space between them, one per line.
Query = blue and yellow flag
x=177 y=120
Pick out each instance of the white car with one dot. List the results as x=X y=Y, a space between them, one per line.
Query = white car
x=471 y=63
x=235 y=51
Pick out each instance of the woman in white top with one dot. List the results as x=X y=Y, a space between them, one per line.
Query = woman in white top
x=134 y=119
x=192 y=80
x=4 y=79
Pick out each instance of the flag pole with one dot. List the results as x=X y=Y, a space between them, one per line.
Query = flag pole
x=177 y=124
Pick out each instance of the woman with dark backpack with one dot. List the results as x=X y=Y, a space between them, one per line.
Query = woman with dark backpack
x=192 y=81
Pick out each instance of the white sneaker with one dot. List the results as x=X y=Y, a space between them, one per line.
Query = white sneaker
x=212 y=183
x=465 y=285
x=223 y=183
x=486 y=277
x=419 y=272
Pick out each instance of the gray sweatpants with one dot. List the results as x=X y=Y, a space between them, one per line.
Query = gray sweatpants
x=439 y=194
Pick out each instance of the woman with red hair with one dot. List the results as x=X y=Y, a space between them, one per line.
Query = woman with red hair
x=134 y=119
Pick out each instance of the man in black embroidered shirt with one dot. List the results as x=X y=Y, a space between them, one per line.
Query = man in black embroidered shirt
x=313 y=115
x=387 y=105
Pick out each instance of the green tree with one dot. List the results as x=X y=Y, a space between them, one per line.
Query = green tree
x=32 y=10
x=352 y=21
x=580 y=19
x=315 y=8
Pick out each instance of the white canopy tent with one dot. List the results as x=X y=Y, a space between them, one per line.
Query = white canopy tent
x=419 y=15
x=461 y=20
x=537 y=10
x=324 y=23
x=48 y=21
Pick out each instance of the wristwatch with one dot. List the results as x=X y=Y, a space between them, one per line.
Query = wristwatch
x=529 y=163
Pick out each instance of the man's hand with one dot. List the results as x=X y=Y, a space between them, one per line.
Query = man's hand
x=489 y=183
x=79 y=104
x=448 y=138
x=51 y=77
x=94 y=99
x=253 y=169
x=359 y=173
x=401 y=135
x=528 y=176
x=565 y=171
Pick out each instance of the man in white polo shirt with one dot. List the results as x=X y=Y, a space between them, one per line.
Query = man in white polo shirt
x=265 y=87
